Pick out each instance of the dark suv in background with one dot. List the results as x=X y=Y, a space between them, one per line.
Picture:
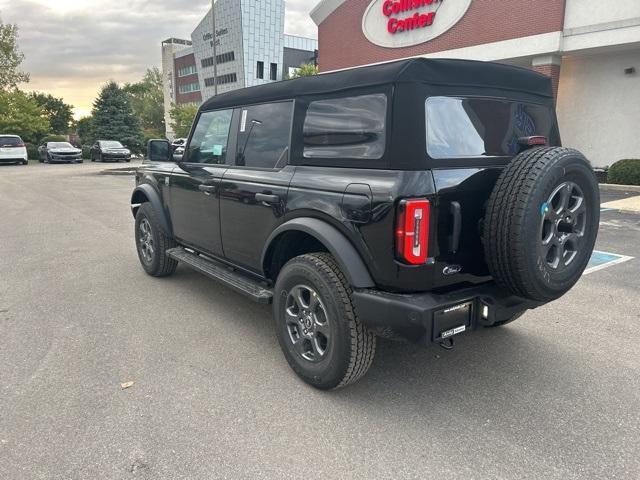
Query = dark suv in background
x=421 y=199
x=109 y=150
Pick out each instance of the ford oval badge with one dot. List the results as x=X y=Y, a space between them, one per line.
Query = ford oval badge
x=452 y=269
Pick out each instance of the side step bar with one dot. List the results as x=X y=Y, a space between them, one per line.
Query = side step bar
x=223 y=274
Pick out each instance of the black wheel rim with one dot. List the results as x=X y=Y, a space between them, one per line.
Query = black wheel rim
x=564 y=221
x=146 y=241
x=307 y=323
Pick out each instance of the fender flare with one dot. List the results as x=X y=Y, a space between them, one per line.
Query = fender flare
x=153 y=197
x=335 y=241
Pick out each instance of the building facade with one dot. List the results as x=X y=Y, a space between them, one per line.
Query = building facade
x=591 y=50
x=251 y=49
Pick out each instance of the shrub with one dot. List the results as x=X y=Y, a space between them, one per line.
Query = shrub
x=86 y=152
x=625 y=172
x=53 y=138
x=32 y=151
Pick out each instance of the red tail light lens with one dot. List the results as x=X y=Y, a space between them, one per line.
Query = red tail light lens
x=412 y=231
x=533 y=141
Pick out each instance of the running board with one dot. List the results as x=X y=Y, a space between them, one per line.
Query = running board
x=223 y=274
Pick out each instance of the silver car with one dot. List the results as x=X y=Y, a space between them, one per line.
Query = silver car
x=51 y=152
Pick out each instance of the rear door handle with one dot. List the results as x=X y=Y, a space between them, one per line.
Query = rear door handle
x=267 y=198
x=207 y=189
x=456 y=213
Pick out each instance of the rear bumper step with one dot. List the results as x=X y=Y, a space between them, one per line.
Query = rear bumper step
x=439 y=316
x=220 y=272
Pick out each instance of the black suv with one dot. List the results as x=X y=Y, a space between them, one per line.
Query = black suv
x=420 y=199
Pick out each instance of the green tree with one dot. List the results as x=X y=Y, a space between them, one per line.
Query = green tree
x=147 y=100
x=10 y=57
x=21 y=115
x=114 y=119
x=60 y=114
x=182 y=117
x=305 y=70
x=84 y=129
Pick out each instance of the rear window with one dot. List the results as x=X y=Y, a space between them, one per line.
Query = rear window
x=346 y=128
x=10 y=141
x=483 y=127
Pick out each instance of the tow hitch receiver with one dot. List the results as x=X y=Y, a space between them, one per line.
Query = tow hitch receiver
x=450 y=322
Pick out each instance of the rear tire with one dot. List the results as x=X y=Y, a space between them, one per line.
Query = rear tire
x=318 y=329
x=541 y=223
x=152 y=243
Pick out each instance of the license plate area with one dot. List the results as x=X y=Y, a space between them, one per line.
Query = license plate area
x=452 y=321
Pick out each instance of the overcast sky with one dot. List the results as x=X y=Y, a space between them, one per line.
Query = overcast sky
x=74 y=46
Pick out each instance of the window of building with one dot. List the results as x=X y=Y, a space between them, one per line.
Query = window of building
x=184 y=71
x=222 y=79
x=189 y=87
x=274 y=71
x=481 y=127
x=346 y=128
x=222 y=58
x=260 y=70
x=209 y=142
x=265 y=130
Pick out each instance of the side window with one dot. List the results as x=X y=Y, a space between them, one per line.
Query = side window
x=346 y=128
x=209 y=142
x=263 y=139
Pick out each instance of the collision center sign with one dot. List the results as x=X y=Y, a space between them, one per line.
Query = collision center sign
x=402 y=23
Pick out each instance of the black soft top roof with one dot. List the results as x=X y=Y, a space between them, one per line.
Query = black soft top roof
x=437 y=72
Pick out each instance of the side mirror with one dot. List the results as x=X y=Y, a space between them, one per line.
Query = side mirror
x=159 y=151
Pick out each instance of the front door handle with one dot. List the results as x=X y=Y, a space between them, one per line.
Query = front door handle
x=266 y=198
x=207 y=189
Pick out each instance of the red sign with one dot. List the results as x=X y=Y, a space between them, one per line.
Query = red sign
x=391 y=8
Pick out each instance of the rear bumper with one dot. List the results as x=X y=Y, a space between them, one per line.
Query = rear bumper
x=431 y=315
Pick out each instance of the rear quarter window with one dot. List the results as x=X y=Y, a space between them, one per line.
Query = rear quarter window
x=484 y=127
x=346 y=128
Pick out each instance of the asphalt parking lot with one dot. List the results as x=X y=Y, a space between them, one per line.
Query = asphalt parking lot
x=555 y=395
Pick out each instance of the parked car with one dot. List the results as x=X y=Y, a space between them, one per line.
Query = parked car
x=53 y=152
x=13 y=150
x=423 y=198
x=109 y=150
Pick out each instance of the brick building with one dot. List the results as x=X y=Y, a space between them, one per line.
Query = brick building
x=590 y=49
x=252 y=49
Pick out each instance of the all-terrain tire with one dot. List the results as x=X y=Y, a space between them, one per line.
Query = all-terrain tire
x=521 y=212
x=157 y=264
x=351 y=346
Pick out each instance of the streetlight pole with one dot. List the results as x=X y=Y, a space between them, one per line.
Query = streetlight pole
x=215 y=48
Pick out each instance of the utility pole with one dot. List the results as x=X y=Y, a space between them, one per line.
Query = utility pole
x=215 y=48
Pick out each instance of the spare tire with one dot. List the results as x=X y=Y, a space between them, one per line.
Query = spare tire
x=541 y=223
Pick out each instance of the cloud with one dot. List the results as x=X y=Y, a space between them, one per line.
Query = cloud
x=74 y=46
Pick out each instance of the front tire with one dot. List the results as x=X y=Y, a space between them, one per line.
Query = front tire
x=152 y=243
x=318 y=329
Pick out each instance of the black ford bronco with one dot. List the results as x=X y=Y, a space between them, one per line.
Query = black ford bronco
x=417 y=199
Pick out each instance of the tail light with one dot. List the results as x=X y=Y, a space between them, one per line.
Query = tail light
x=412 y=231
x=535 y=141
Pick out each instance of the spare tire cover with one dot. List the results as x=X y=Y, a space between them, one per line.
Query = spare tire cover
x=541 y=223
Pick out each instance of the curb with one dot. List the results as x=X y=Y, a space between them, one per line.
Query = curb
x=118 y=172
x=624 y=188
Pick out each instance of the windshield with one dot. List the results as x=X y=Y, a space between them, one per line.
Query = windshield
x=59 y=145
x=111 y=144
x=484 y=127
x=10 y=141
